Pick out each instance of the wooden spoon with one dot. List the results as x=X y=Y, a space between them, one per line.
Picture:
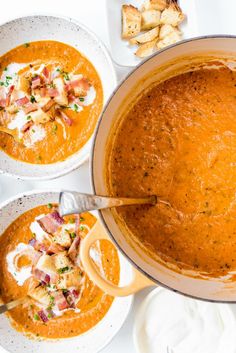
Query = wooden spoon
x=12 y=305
x=75 y=202
x=11 y=132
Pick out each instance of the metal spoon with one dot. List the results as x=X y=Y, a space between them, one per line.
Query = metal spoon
x=12 y=305
x=71 y=202
x=11 y=132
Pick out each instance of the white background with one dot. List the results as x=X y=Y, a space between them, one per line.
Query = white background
x=209 y=16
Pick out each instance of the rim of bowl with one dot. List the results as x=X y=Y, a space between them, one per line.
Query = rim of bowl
x=130 y=297
x=107 y=55
x=91 y=165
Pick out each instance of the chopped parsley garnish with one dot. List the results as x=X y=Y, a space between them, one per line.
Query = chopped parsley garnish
x=39 y=158
x=1 y=83
x=26 y=45
x=32 y=99
x=28 y=117
x=49 y=315
x=33 y=235
x=82 y=219
x=72 y=235
x=54 y=128
x=33 y=130
x=49 y=205
x=82 y=227
x=76 y=107
x=5 y=69
x=52 y=299
x=36 y=317
x=63 y=270
x=71 y=221
x=81 y=99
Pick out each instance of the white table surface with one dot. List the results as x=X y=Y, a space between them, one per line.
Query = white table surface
x=93 y=14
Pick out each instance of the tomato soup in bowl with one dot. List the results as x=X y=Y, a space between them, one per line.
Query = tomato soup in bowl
x=52 y=90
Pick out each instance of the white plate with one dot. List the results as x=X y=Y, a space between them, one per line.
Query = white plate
x=69 y=31
x=89 y=342
x=122 y=53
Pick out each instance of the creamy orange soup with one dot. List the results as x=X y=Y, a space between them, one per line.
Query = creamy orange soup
x=70 y=320
x=179 y=142
x=52 y=95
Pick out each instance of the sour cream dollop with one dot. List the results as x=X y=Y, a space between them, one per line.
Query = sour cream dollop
x=171 y=323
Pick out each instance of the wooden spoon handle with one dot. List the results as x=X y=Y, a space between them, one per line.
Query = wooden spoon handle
x=12 y=305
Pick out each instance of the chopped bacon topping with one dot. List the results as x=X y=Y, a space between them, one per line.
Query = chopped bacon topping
x=72 y=297
x=37 y=245
x=22 y=101
x=30 y=107
x=43 y=277
x=52 y=92
x=54 y=249
x=46 y=314
x=36 y=82
x=60 y=300
x=2 y=103
x=73 y=250
x=8 y=98
x=65 y=117
x=51 y=222
x=27 y=126
x=46 y=73
x=49 y=105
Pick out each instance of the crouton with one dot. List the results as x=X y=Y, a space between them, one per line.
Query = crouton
x=165 y=30
x=12 y=109
x=131 y=21
x=146 y=49
x=159 y=5
x=39 y=116
x=172 y=38
x=46 y=264
x=172 y=16
x=23 y=84
x=145 y=37
x=62 y=237
x=150 y=19
x=61 y=99
x=40 y=294
x=71 y=279
x=61 y=261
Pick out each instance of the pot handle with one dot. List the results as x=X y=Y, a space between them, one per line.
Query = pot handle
x=138 y=282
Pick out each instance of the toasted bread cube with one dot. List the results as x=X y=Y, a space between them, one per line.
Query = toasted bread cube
x=150 y=19
x=172 y=38
x=62 y=237
x=61 y=260
x=46 y=264
x=61 y=99
x=165 y=30
x=159 y=5
x=39 y=116
x=12 y=109
x=40 y=294
x=131 y=21
x=172 y=16
x=146 y=49
x=23 y=84
x=71 y=279
x=145 y=37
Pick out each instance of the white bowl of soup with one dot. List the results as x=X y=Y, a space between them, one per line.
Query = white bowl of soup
x=169 y=130
x=40 y=256
x=53 y=84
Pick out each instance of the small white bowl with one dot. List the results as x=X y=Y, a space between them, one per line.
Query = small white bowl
x=89 y=342
x=66 y=30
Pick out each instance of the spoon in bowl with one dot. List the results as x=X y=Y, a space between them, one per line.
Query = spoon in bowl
x=11 y=132
x=71 y=202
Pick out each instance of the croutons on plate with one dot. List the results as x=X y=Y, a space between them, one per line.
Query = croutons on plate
x=146 y=49
x=172 y=38
x=150 y=19
x=154 y=5
x=145 y=37
x=62 y=261
x=131 y=21
x=172 y=16
x=70 y=279
x=62 y=237
x=165 y=30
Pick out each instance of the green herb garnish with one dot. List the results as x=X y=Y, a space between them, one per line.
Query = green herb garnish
x=28 y=117
x=71 y=221
x=54 y=128
x=63 y=270
x=81 y=99
x=75 y=107
x=32 y=99
x=82 y=219
x=36 y=317
x=49 y=205
x=72 y=235
x=26 y=45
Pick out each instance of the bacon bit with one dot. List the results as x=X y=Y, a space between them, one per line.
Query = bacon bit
x=43 y=92
x=80 y=86
x=8 y=98
x=60 y=301
x=77 y=224
x=2 y=103
x=35 y=82
x=22 y=101
x=37 y=246
x=27 y=126
x=30 y=107
x=66 y=118
x=73 y=250
x=54 y=249
x=71 y=297
x=45 y=314
x=52 y=92
x=43 y=277
x=49 y=105
x=46 y=73
x=51 y=222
